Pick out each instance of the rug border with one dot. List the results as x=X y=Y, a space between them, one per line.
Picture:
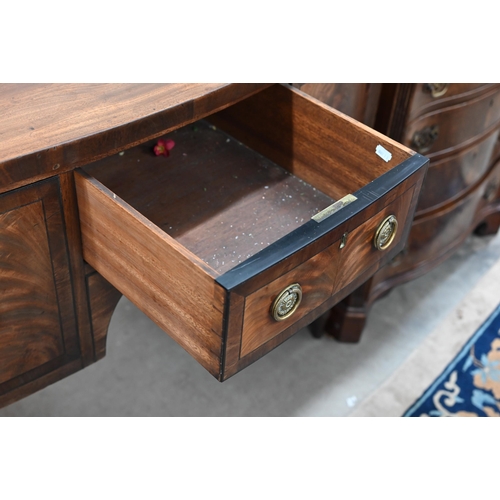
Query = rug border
x=445 y=342
x=453 y=363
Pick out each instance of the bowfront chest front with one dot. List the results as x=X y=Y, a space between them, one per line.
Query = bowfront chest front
x=270 y=209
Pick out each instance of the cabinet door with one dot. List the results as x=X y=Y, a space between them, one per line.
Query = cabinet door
x=38 y=334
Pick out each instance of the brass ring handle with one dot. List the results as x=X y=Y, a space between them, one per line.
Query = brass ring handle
x=287 y=302
x=386 y=232
x=424 y=139
x=490 y=191
x=436 y=89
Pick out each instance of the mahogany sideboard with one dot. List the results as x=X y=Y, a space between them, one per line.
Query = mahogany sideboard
x=270 y=209
x=457 y=126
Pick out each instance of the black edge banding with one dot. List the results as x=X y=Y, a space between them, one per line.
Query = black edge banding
x=225 y=331
x=312 y=230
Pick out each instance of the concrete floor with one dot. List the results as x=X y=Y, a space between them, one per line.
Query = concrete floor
x=145 y=373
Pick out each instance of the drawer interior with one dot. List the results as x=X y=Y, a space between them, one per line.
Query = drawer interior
x=218 y=198
x=246 y=177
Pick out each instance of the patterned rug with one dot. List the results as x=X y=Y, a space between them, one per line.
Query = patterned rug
x=470 y=384
x=455 y=372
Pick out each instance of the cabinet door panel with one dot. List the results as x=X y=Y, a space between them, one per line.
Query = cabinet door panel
x=38 y=331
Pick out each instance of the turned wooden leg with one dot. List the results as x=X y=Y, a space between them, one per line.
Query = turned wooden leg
x=347 y=319
x=491 y=221
x=317 y=327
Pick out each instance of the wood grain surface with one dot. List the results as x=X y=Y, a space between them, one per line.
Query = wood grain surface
x=422 y=101
x=357 y=100
x=49 y=130
x=316 y=276
x=481 y=114
x=46 y=129
x=163 y=279
x=451 y=177
x=103 y=299
x=204 y=196
x=38 y=332
x=74 y=244
x=313 y=141
x=30 y=331
x=359 y=253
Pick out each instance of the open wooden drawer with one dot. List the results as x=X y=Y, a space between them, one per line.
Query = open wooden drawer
x=230 y=246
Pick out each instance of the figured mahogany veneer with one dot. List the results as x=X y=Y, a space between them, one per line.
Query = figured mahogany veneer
x=38 y=335
x=454 y=175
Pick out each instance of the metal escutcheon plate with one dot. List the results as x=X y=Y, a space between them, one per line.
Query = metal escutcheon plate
x=287 y=302
x=386 y=233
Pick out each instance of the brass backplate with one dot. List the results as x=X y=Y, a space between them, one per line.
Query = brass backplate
x=386 y=232
x=287 y=302
x=436 y=89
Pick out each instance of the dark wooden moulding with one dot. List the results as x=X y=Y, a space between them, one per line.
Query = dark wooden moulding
x=299 y=134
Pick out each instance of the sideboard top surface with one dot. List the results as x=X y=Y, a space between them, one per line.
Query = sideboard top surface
x=46 y=129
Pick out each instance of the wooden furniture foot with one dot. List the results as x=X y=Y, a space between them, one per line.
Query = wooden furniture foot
x=346 y=320
x=491 y=223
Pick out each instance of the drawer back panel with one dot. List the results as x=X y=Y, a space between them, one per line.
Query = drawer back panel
x=313 y=141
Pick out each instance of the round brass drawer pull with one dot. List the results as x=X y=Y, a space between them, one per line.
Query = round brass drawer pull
x=386 y=232
x=424 y=139
x=287 y=302
x=436 y=89
x=490 y=191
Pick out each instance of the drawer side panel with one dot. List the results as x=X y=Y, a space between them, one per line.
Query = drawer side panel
x=141 y=263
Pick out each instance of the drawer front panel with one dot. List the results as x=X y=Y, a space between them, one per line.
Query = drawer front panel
x=431 y=95
x=325 y=274
x=496 y=151
x=451 y=177
x=316 y=278
x=328 y=269
x=440 y=131
x=360 y=256
x=436 y=236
